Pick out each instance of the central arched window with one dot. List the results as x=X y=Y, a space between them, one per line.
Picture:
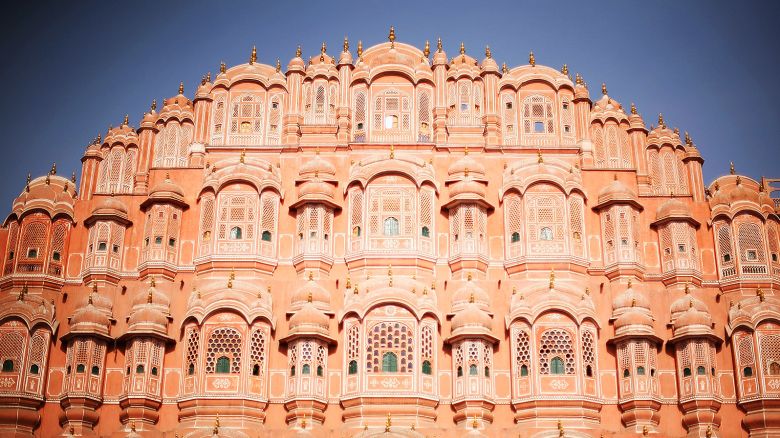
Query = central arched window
x=426 y=367
x=556 y=366
x=235 y=233
x=223 y=365
x=389 y=363
x=353 y=367
x=8 y=366
x=391 y=227
x=472 y=370
x=545 y=234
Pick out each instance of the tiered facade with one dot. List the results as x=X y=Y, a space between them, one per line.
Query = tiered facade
x=396 y=243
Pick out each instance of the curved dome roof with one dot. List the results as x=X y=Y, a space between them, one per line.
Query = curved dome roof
x=310 y=320
x=466 y=165
x=147 y=318
x=166 y=187
x=693 y=317
x=319 y=296
x=630 y=298
x=633 y=318
x=152 y=296
x=110 y=205
x=472 y=316
x=686 y=302
x=464 y=294
x=672 y=208
x=317 y=166
x=617 y=191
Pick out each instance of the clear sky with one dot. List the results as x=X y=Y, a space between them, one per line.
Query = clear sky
x=71 y=69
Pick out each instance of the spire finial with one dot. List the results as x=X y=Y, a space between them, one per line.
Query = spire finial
x=504 y=70
x=731 y=168
x=633 y=108
x=216 y=425
x=208 y=77
x=298 y=51
x=687 y=289
x=565 y=70
x=126 y=120
x=388 y=421
x=222 y=67
x=132 y=426
x=688 y=140
x=645 y=431
x=152 y=282
x=53 y=170
x=346 y=44
x=462 y=48
x=153 y=107
x=73 y=177
x=360 y=49
x=278 y=65
x=392 y=151
x=471 y=298
x=630 y=283
x=708 y=433
x=391 y=37
x=532 y=59
x=438 y=45
x=604 y=88
x=488 y=53
x=243 y=156
x=309 y=297
x=578 y=79
x=181 y=87
x=427 y=49
x=149 y=297
x=539 y=158
x=760 y=294
x=661 y=121
x=253 y=55
x=89 y=300
x=474 y=423
x=323 y=48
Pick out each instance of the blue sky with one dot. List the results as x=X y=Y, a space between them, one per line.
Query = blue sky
x=71 y=69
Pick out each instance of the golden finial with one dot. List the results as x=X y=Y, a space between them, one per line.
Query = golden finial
x=645 y=431
x=268 y=289
x=661 y=123
x=181 y=87
x=604 y=88
x=208 y=77
x=48 y=179
x=309 y=297
x=243 y=156
x=22 y=292
x=216 y=425
x=438 y=45
x=474 y=423
x=278 y=65
x=232 y=274
x=468 y=277
x=688 y=140
x=731 y=167
x=633 y=108
x=690 y=304
x=708 y=434
x=298 y=51
x=514 y=290
x=132 y=426
x=587 y=291
x=560 y=425
x=73 y=177
x=349 y=283
x=392 y=151
x=739 y=180
x=222 y=67
x=152 y=282
x=153 y=107
x=488 y=53
x=539 y=158
x=356 y=290
x=552 y=279
x=687 y=289
x=323 y=48
x=466 y=150
x=71 y=430
x=360 y=49
x=89 y=300
x=676 y=130
x=311 y=275
x=346 y=44
x=425 y=291
x=53 y=170
x=126 y=120
x=391 y=36
x=565 y=70
x=504 y=70
x=760 y=294
x=532 y=59
x=203 y=80
x=389 y=421
x=253 y=55
x=578 y=79
x=433 y=285
x=633 y=302
x=630 y=282
x=466 y=171
x=471 y=298
x=427 y=49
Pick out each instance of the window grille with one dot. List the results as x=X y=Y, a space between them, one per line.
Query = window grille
x=390 y=342
x=225 y=345
x=556 y=343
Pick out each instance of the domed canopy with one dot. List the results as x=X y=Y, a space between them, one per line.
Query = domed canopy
x=165 y=192
x=633 y=317
x=311 y=292
x=466 y=166
x=152 y=296
x=472 y=322
x=316 y=191
x=630 y=298
x=147 y=320
x=109 y=208
x=90 y=321
x=317 y=167
x=52 y=194
x=309 y=322
x=468 y=293
x=617 y=192
x=686 y=302
x=467 y=190
x=674 y=209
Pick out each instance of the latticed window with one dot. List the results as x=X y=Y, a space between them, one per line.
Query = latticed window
x=513 y=220
x=667 y=172
x=355 y=219
x=556 y=344
x=13 y=238
x=275 y=116
x=392 y=216
x=545 y=220
x=468 y=229
x=223 y=354
x=359 y=127
x=588 y=353
x=192 y=351
x=246 y=119
x=257 y=352
x=392 y=117
x=117 y=170
x=522 y=353
x=424 y=129
x=725 y=249
x=33 y=243
x=509 y=111
x=320 y=104
x=426 y=349
x=567 y=121
x=12 y=348
x=171 y=148
x=353 y=348
x=314 y=229
x=218 y=117
x=745 y=356
x=391 y=346
x=537 y=116
x=269 y=202
x=769 y=345
x=237 y=218
x=56 y=251
x=465 y=103
x=752 y=254
x=611 y=147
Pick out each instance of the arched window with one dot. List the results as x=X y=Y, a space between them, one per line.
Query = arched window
x=426 y=367
x=391 y=227
x=626 y=373
x=556 y=366
x=81 y=368
x=235 y=233
x=425 y=232
x=34 y=369
x=747 y=372
x=191 y=369
x=223 y=365
x=515 y=237
x=640 y=371
x=8 y=366
x=355 y=231
x=774 y=369
x=686 y=372
x=524 y=371
x=256 y=370
x=139 y=369
x=701 y=371
x=472 y=370
x=320 y=371
x=545 y=234
x=389 y=363
x=487 y=371
x=292 y=371
x=95 y=370
x=460 y=371
x=154 y=371
x=589 y=371
x=306 y=369
x=352 y=367
x=266 y=236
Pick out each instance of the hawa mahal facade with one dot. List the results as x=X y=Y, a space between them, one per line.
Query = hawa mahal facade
x=391 y=243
